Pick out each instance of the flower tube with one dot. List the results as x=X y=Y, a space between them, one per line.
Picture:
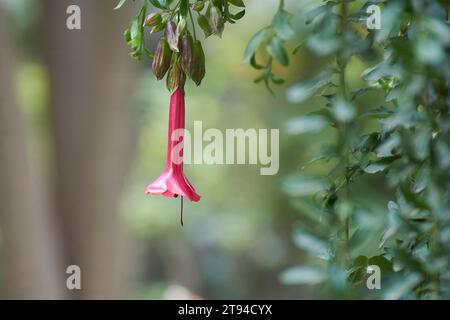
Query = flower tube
x=172 y=182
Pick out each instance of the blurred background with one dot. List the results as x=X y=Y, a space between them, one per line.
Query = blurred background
x=83 y=130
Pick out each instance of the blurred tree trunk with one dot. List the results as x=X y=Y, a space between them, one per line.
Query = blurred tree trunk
x=91 y=81
x=32 y=268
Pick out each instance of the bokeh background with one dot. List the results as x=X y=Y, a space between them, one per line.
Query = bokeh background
x=83 y=129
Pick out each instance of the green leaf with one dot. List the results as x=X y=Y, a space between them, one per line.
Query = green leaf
x=359 y=92
x=282 y=26
x=309 y=242
x=120 y=4
x=343 y=111
x=260 y=78
x=378 y=113
x=310 y=210
x=413 y=198
x=134 y=29
x=303 y=275
x=430 y=51
x=358 y=272
x=237 y=3
x=276 y=49
x=337 y=279
x=402 y=286
x=375 y=167
x=306 y=124
x=238 y=15
x=254 y=44
x=302 y=185
x=388 y=147
x=323 y=44
x=302 y=91
x=255 y=64
x=318 y=11
x=367 y=142
x=184 y=7
x=158 y=4
x=148 y=53
x=384 y=264
x=297 y=48
x=127 y=36
x=275 y=79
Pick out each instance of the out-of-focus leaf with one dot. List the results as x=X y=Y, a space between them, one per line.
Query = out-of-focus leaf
x=317 y=12
x=282 y=26
x=343 y=111
x=308 y=209
x=402 y=286
x=337 y=280
x=430 y=51
x=357 y=272
x=300 y=185
x=378 y=113
x=421 y=143
x=443 y=158
x=306 y=124
x=302 y=91
x=276 y=49
x=254 y=43
x=384 y=264
x=359 y=92
x=376 y=167
x=367 y=142
x=309 y=242
x=387 y=148
x=323 y=44
x=413 y=198
x=303 y=275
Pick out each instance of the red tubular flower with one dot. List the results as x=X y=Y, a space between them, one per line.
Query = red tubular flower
x=172 y=182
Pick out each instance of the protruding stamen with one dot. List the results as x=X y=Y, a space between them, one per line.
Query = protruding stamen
x=181 y=211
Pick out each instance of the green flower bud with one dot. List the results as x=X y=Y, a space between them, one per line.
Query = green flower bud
x=216 y=21
x=153 y=20
x=158 y=28
x=176 y=77
x=172 y=36
x=161 y=59
x=198 y=69
x=199 y=5
x=181 y=26
x=204 y=24
x=187 y=54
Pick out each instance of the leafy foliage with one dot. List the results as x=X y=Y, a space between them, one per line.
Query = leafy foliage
x=186 y=55
x=273 y=38
x=407 y=148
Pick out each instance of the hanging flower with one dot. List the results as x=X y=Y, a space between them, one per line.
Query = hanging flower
x=178 y=56
x=172 y=182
